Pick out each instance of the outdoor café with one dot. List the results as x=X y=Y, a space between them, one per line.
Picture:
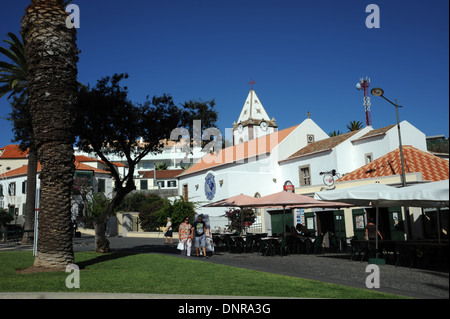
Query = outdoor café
x=374 y=198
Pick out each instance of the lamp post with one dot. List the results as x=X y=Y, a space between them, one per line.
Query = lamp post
x=380 y=92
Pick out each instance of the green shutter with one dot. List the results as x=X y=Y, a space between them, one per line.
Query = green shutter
x=359 y=222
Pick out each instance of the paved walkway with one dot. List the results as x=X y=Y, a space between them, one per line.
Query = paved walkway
x=332 y=268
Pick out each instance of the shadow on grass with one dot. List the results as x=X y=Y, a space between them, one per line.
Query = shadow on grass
x=161 y=249
x=102 y=258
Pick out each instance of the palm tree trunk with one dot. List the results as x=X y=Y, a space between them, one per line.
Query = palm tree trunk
x=52 y=55
x=31 y=196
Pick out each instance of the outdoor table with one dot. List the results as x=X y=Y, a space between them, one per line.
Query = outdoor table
x=408 y=252
x=271 y=242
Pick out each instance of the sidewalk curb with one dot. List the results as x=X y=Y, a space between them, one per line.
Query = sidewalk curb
x=64 y=295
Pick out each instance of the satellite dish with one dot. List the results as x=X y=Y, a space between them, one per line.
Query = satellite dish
x=358 y=86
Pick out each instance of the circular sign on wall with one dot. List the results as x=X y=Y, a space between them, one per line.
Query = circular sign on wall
x=210 y=186
x=288 y=186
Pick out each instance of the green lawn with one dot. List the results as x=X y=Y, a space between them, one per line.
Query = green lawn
x=159 y=274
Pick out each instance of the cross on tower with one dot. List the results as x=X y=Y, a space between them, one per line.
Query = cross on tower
x=251 y=83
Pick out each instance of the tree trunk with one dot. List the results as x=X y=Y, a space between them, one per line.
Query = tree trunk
x=52 y=55
x=101 y=242
x=31 y=196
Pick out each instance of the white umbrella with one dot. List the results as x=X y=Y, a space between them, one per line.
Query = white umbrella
x=435 y=194
x=361 y=195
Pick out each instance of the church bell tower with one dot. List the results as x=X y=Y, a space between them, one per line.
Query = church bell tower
x=253 y=121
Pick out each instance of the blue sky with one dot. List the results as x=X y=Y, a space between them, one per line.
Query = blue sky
x=304 y=56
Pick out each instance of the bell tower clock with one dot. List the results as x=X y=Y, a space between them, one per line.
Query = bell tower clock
x=253 y=121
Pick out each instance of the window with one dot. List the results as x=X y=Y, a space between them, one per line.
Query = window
x=1 y=192
x=161 y=184
x=304 y=176
x=12 y=189
x=24 y=187
x=185 y=193
x=368 y=158
x=144 y=184
x=172 y=184
x=101 y=185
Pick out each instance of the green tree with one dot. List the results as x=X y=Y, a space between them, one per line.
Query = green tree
x=181 y=210
x=13 y=74
x=52 y=56
x=354 y=126
x=13 y=79
x=153 y=212
x=335 y=133
x=109 y=123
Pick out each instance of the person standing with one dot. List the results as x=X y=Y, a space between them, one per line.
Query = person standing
x=199 y=234
x=184 y=236
x=371 y=230
x=168 y=233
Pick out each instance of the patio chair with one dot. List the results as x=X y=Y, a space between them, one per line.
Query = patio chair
x=249 y=245
x=227 y=242
x=218 y=243
x=238 y=244
x=296 y=245
x=284 y=246
x=357 y=247
x=318 y=244
x=308 y=245
x=265 y=246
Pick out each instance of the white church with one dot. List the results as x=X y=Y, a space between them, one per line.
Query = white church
x=263 y=157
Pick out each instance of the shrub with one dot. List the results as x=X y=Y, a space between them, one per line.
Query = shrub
x=5 y=217
x=153 y=212
x=234 y=216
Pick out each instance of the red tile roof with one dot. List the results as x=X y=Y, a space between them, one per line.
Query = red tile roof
x=84 y=158
x=83 y=167
x=240 y=152
x=376 y=132
x=432 y=167
x=162 y=174
x=12 y=151
x=78 y=166
x=321 y=146
x=20 y=171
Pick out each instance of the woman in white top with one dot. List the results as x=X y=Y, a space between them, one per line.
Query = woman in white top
x=168 y=233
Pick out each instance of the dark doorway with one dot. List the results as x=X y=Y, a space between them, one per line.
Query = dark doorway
x=390 y=222
x=325 y=222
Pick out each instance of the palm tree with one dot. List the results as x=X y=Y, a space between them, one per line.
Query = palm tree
x=334 y=133
x=354 y=126
x=52 y=56
x=13 y=76
x=13 y=79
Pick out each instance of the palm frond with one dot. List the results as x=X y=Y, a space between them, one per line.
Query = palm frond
x=13 y=73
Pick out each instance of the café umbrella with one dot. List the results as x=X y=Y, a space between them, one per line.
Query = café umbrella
x=366 y=195
x=433 y=194
x=288 y=199
x=240 y=201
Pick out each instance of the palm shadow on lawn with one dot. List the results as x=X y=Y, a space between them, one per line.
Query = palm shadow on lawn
x=124 y=252
x=102 y=258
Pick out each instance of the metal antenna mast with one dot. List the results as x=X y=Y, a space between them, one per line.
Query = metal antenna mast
x=364 y=84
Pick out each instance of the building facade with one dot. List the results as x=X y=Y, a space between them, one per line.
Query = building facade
x=259 y=164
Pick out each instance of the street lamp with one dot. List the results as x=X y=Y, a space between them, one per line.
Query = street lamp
x=380 y=92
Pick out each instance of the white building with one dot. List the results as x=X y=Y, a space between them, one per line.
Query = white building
x=13 y=184
x=173 y=156
x=261 y=161
x=250 y=166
